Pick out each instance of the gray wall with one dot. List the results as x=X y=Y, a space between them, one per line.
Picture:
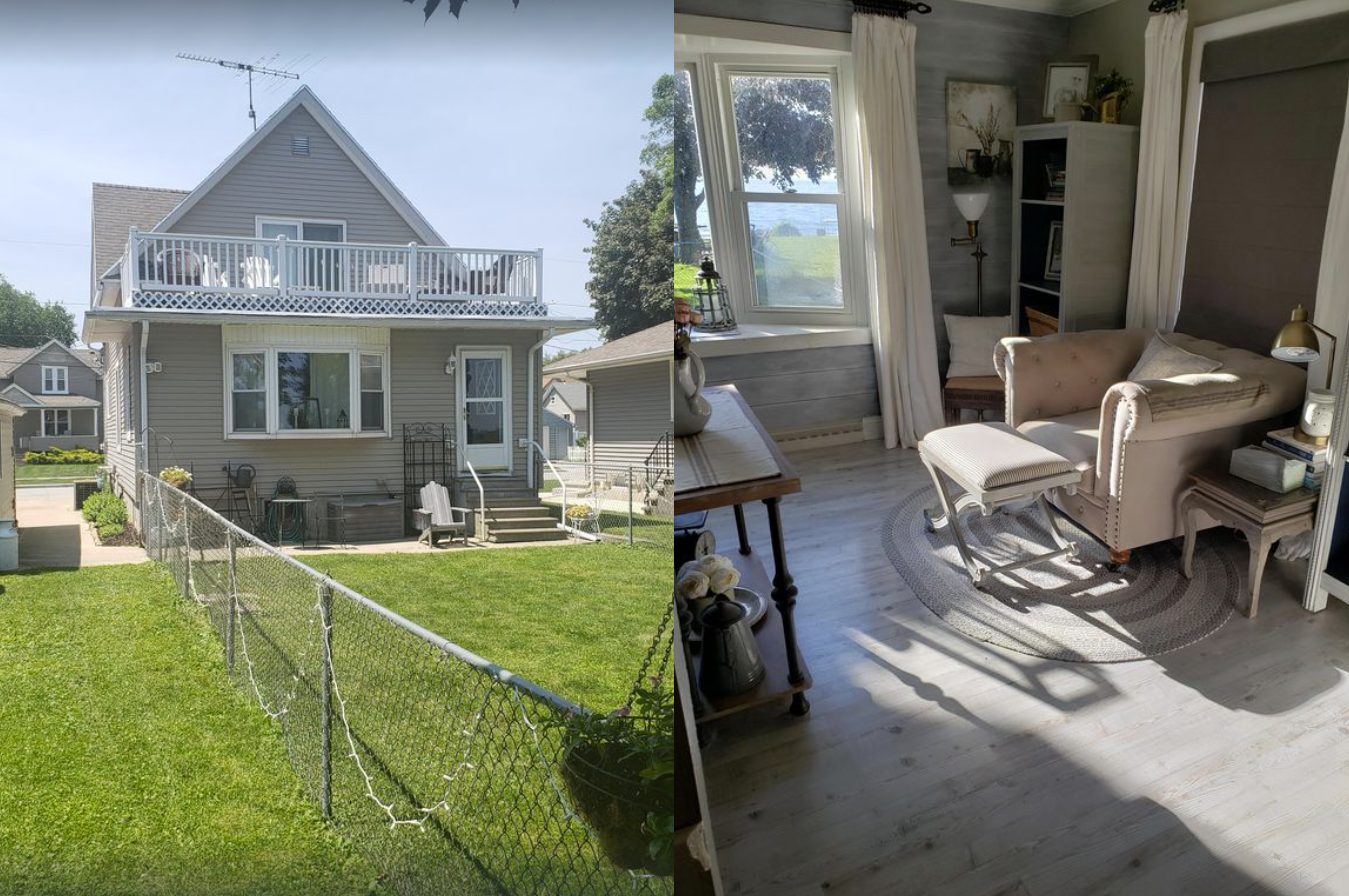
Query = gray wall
x=81 y=379
x=630 y=410
x=579 y=419
x=805 y=389
x=323 y=184
x=186 y=404
x=960 y=41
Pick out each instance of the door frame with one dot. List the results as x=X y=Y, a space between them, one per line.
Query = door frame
x=461 y=353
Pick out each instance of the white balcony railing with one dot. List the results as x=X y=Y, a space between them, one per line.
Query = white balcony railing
x=170 y=270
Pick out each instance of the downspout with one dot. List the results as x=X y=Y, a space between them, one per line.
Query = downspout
x=143 y=448
x=534 y=374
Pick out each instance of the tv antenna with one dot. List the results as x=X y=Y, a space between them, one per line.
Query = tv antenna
x=243 y=67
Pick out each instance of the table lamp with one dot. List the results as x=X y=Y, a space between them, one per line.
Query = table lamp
x=972 y=206
x=1299 y=343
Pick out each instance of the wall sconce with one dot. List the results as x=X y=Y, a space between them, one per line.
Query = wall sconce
x=972 y=207
x=449 y=365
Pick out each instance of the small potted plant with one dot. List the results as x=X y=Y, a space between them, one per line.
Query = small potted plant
x=619 y=769
x=1113 y=91
x=176 y=477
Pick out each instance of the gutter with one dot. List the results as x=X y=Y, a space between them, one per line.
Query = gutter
x=579 y=370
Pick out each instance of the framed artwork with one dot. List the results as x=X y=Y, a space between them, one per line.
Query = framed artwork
x=1054 y=254
x=1068 y=81
x=980 y=121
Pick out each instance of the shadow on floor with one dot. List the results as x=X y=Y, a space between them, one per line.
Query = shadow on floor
x=50 y=547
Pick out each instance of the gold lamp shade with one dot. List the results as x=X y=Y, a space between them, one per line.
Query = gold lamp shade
x=1297 y=340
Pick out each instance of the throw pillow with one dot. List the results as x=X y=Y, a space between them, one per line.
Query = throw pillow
x=1161 y=360
x=973 y=340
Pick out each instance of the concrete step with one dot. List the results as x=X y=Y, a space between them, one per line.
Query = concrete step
x=515 y=535
x=514 y=513
x=521 y=522
x=496 y=502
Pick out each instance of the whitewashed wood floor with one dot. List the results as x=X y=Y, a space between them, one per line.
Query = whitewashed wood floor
x=934 y=764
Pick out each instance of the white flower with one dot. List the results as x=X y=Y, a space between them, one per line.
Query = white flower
x=723 y=581
x=692 y=585
x=713 y=562
x=690 y=566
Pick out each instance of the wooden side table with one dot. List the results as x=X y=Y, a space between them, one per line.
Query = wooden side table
x=972 y=393
x=1262 y=515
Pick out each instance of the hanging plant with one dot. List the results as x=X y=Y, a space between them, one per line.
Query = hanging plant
x=176 y=477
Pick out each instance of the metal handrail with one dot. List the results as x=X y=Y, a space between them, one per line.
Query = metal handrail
x=482 y=499
x=562 y=524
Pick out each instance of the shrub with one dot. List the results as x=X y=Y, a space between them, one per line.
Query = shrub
x=63 y=456
x=107 y=512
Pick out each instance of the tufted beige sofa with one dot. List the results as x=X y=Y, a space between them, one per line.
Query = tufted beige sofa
x=1135 y=442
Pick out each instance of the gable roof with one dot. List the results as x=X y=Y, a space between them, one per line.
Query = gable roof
x=573 y=392
x=20 y=396
x=554 y=421
x=12 y=358
x=652 y=344
x=117 y=209
x=304 y=97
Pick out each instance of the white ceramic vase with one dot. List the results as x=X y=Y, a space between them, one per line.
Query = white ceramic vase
x=1317 y=414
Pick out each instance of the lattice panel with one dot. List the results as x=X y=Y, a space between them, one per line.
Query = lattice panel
x=300 y=304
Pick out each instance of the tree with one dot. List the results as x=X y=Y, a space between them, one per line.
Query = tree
x=27 y=323
x=630 y=266
x=550 y=358
x=455 y=6
x=785 y=131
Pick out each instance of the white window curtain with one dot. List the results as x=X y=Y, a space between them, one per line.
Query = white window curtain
x=1154 y=276
x=895 y=228
x=1332 y=282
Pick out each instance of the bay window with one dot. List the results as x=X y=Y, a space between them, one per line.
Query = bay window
x=283 y=392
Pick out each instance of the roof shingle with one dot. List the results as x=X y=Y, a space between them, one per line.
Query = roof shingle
x=118 y=208
x=644 y=345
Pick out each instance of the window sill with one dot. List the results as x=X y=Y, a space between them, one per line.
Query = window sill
x=748 y=339
x=302 y=436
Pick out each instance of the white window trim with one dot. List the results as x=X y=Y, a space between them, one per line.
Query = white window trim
x=508 y=402
x=70 y=423
x=273 y=402
x=259 y=220
x=65 y=379
x=727 y=204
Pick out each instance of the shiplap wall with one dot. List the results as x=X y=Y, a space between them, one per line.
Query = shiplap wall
x=960 y=41
x=807 y=389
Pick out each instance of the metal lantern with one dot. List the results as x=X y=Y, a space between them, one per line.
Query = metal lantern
x=713 y=304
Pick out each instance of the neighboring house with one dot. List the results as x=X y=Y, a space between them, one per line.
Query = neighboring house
x=295 y=312
x=567 y=398
x=628 y=396
x=62 y=390
x=558 y=435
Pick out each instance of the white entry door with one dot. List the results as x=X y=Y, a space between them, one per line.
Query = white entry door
x=484 y=392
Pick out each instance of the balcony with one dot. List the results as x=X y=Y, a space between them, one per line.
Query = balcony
x=282 y=276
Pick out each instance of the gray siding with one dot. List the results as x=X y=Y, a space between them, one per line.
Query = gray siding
x=324 y=184
x=801 y=390
x=186 y=404
x=630 y=410
x=119 y=379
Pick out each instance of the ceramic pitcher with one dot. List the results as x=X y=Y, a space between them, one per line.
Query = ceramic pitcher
x=691 y=410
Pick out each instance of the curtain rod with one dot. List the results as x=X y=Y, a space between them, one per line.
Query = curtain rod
x=892 y=8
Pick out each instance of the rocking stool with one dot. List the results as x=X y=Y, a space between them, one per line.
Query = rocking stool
x=993 y=465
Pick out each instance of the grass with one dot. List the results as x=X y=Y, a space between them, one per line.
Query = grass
x=684 y=282
x=46 y=474
x=129 y=765
x=576 y=621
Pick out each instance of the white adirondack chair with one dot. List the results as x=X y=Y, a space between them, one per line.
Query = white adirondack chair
x=436 y=516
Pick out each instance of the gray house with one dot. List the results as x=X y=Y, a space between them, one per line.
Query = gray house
x=567 y=398
x=295 y=312
x=627 y=396
x=61 y=389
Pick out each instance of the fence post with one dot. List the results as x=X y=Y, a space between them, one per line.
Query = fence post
x=326 y=696
x=630 y=487
x=187 y=551
x=233 y=604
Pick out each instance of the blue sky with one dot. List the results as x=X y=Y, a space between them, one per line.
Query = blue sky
x=505 y=127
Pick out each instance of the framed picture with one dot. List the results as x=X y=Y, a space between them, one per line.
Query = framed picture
x=1068 y=81
x=1054 y=254
x=980 y=120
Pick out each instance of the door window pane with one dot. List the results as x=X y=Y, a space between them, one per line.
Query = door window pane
x=785 y=131
x=270 y=230
x=313 y=390
x=484 y=423
x=796 y=254
x=325 y=233
x=482 y=378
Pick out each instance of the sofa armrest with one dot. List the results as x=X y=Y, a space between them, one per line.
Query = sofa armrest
x=1066 y=373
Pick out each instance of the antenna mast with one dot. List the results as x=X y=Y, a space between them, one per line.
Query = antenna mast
x=243 y=67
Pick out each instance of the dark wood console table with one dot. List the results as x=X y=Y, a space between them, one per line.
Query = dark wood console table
x=787 y=675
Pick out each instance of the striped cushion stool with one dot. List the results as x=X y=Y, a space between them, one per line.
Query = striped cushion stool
x=993 y=465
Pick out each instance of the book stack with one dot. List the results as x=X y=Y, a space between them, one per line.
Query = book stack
x=1313 y=457
x=1058 y=183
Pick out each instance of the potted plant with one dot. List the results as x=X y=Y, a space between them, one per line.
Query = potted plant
x=619 y=769
x=176 y=477
x=1113 y=91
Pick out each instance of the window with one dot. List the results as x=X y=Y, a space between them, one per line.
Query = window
x=56 y=422
x=770 y=186
x=284 y=392
x=55 y=380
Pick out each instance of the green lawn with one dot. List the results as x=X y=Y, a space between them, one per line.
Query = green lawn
x=42 y=474
x=128 y=763
x=684 y=279
x=574 y=620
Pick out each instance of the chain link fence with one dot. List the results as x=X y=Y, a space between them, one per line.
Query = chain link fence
x=633 y=504
x=445 y=770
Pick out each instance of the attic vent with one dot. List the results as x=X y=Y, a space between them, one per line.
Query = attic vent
x=299 y=146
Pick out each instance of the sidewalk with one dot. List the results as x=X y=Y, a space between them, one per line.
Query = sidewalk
x=53 y=535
